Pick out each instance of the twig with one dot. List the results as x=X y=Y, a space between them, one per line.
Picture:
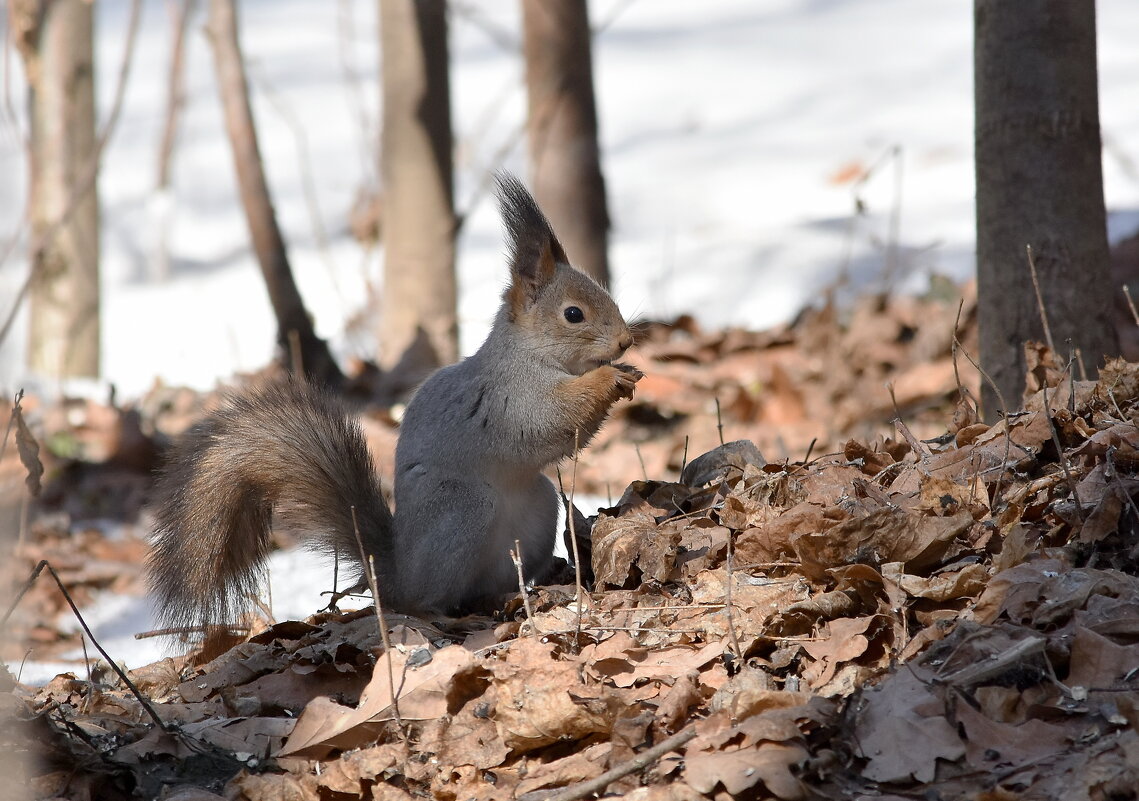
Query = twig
x=684 y=458
x=953 y=350
x=1080 y=362
x=1003 y=410
x=641 y=459
x=374 y=585
x=719 y=421
x=1072 y=378
x=366 y=125
x=11 y=422
x=616 y=10
x=597 y=785
x=639 y=629
x=1060 y=451
x=728 y=603
x=182 y=631
x=1131 y=304
x=175 y=86
x=995 y=665
x=904 y=430
x=87 y=630
x=1112 y=472
x=573 y=542
x=23 y=590
x=810 y=448
x=1039 y=300
x=516 y=557
x=670 y=608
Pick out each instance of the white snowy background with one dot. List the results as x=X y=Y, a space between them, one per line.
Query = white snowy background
x=726 y=129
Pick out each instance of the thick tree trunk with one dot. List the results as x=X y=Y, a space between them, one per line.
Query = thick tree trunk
x=565 y=161
x=59 y=61
x=294 y=327
x=1039 y=183
x=419 y=319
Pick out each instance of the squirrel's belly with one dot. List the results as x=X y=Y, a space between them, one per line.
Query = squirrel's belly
x=528 y=514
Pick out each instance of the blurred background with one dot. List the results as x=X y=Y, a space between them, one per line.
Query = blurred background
x=754 y=155
x=785 y=192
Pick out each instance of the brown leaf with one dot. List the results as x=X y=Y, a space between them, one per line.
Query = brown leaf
x=28 y=448
x=884 y=535
x=899 y=741
x=682 y=696
x=964 y=583
x=740 y=769
x=991 y=744
x=625 y=551
x=422 y=693
x=542 y=700
x=843 y=640
x=576 y=767
x=1099 y=663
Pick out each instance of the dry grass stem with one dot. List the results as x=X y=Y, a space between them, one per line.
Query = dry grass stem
x=1003 y=411
x=1131 y=304
x=1040 y=300
x=719 y=421
x=728 y=602
x=1060 y=451
x=579 y=598
x=516 y=557
x=373 y=584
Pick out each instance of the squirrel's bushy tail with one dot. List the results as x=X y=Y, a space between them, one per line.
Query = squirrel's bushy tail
x=284 y=454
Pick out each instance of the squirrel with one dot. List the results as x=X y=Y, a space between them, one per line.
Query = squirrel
x=473 y=442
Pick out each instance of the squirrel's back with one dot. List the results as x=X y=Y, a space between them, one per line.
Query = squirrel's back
x=285 y=454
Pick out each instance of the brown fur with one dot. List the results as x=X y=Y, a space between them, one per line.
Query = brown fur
x=284 y=454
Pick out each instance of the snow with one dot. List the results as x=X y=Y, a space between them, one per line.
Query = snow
x=725 y=126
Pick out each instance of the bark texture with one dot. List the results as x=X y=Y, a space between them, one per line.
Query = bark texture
x=1039 y=183
x=56 y=42
x=295 y=334
x=419 y=323
x=565 y=160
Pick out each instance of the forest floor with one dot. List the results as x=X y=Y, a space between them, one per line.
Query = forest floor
x=895 y=600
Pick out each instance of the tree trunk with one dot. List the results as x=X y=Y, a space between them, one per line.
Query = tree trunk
x=419 y=319
x=565 y=161
x=181 y=12
x=1039 y=183
x=295 y=334
x=57 y=45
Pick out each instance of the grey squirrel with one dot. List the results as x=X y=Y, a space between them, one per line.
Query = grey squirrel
x=473 y=443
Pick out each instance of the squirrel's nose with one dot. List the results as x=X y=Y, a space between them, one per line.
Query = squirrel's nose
x=625 y=342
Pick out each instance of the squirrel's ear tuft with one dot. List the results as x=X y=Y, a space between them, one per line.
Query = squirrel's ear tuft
x=534 y=250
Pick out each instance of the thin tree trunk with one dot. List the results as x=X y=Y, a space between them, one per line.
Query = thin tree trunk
x=59 y=61
x=294 y=327
x=1039 y=183
x=565 y=161
x=419 y=319
x=181 y=11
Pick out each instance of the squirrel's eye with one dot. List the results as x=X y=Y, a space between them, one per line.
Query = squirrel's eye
x=574 y=314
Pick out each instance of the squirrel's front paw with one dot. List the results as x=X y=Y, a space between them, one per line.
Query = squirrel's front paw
x=626 y=377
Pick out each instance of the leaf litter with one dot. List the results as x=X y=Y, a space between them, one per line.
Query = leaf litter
x=954 y=620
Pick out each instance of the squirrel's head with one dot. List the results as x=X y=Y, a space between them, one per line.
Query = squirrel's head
x=565 y=317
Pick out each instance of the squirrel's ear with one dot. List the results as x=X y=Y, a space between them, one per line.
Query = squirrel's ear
x=534 y=250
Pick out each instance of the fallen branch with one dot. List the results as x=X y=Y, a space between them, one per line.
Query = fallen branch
x=598 y=784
